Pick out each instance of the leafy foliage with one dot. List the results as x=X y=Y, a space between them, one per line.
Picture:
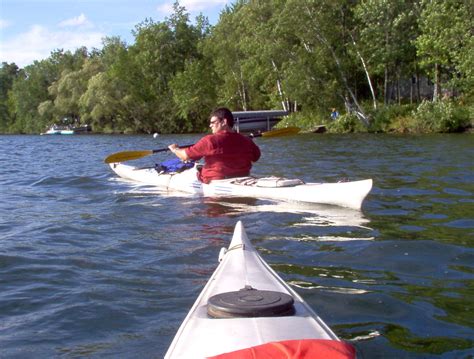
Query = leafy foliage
x=346 y=123
x=391 y=118
x=446 y=41
x=440 y=116
x=303 y=56
x=8 y=73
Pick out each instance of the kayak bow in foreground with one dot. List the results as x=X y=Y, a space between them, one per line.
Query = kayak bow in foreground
x=247 y=311
x=344 y=194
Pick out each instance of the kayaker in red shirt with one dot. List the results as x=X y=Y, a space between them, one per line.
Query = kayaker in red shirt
x=226 y=153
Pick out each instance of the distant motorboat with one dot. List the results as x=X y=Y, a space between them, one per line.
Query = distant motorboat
x=56 y=130
x=67 y=130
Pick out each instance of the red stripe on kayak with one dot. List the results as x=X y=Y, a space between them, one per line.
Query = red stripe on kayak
x=294 y=349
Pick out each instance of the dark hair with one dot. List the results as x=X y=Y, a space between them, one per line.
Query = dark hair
x=223 y=113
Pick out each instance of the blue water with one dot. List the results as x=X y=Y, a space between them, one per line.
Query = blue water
x=93 y=266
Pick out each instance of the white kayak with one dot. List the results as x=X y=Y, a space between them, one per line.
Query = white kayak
x=246 y=308
x=345 y=194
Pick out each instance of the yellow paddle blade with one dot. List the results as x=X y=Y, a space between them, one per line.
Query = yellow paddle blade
x=127 y=156
x=281 y=132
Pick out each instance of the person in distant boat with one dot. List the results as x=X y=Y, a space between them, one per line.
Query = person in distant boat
x=334 y=114
x=226 y=153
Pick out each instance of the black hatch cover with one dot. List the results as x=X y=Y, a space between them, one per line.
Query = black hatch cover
x=250 y=302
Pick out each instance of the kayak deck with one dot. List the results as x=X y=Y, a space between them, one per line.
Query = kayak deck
x=201 y=336
x=345 y=194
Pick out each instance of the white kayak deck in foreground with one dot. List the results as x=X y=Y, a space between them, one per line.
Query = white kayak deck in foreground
x=201 y=336
x=345 y=194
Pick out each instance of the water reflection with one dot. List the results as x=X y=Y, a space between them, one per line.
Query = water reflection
x=310 y=214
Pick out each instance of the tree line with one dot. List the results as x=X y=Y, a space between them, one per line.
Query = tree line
x=385 y=64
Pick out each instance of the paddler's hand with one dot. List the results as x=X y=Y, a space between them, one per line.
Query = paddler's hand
x=179 y=152
x=173 y=147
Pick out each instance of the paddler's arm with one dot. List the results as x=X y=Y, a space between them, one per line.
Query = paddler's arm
x=179 y=152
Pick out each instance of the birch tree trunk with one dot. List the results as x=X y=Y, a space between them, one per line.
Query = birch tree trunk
x=359 y=111
x=437 y=85
x=369 y=81
x=284 y=101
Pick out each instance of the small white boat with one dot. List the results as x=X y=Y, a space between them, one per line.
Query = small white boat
x=54 y=130
x=247 y=309
x=344 y=194
x=66 y=130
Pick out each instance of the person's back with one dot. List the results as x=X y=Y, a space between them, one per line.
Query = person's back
x=226 y=153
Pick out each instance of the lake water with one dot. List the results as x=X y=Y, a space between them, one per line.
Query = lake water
x=93 y=266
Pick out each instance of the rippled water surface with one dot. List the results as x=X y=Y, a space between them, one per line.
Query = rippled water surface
x=92 y=266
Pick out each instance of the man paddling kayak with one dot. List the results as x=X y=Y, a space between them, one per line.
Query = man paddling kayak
x=226 y=153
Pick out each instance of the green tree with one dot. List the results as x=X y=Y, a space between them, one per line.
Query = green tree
x=446 y=42
x=68 y=90
x=223 y=47
x=8 y=74
x=158 y=55
x=103 y=104
x=30 y=90
x=386 y=28
x=322 y=31
x=194 y=88
x=266 y=52
x=194 y=94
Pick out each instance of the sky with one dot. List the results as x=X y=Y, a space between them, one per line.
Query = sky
x=31 y=29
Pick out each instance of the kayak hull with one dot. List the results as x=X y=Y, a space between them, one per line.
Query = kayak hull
x=201 y=336
x=344 y=194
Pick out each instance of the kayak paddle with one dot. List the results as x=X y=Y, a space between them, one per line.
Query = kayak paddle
x=135 y=155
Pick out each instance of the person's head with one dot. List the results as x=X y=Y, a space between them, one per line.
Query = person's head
x=221 y=119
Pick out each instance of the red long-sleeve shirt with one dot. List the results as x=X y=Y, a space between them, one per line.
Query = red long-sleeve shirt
x=226 y=154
